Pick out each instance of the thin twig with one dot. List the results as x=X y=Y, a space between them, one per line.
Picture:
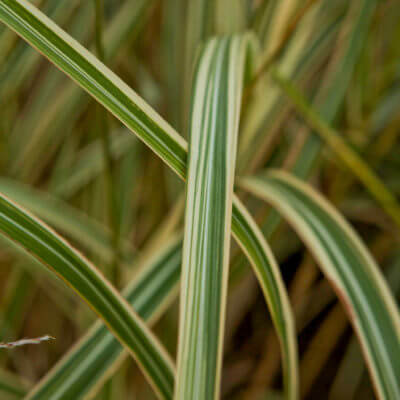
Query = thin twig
x=23 y=342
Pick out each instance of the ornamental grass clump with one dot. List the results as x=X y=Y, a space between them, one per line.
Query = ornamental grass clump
x=279 y=119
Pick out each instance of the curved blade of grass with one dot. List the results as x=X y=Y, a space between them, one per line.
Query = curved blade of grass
x=214 y=119
x=338 y=145
x=67 y=105
x=156 y=133
x=78 y=273
x=8 y=38
x=331 y=94
x=43 y=276
x=251 y=240
x=77 y=62
x=76 y=225
x=351 y=370
x=97 y=355
x=23 y=60
x=350 y=268
x=34 y=123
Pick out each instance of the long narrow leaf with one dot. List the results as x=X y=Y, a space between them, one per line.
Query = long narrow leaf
x=23 y=61
x=351 y=370
x=85 y=368
x=77 y=272
x=330 y=95
x=213 y=131
x=252 y=242
x=48 y=129
x=126 y=105
x=350 y=268
x=343 y=151
x=64 y=218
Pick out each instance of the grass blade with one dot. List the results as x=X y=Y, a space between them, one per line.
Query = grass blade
x=49 y=129
x=338 y=145
x=23 y=61
x=350 y=370
x=251 y=240
x=156 y=133
x=77 y=272
x=76 y=225
x=93 y=359
x=350 y=268
x=213 y=132
x=98 y=80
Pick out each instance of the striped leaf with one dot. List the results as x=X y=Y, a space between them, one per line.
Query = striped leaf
x=75 y=224
x=96 y=356
x=77 y=272
x=338 y=145
x=213 y=131
x=59 y=108
x=350 y=371
x=155 y=132
x=348 y=266
x=331 y=93
x=23 y=61
x=97 y=79
x=251 y=240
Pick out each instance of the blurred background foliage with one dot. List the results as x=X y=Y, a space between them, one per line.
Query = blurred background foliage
x=66 y=160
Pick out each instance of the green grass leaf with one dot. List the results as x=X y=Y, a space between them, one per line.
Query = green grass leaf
x=251 y=240
x=44 y=133
x=83 y=370
x=349 y=267
x=214 y=118
x=343 y=151
x=78 y=273
x=23 y=61
x=75 y=224
x=139 y=117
